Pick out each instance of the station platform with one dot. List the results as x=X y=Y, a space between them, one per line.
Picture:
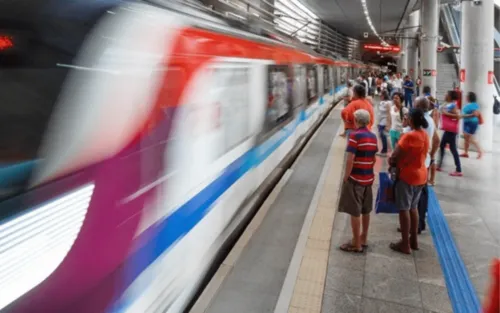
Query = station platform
x=288 y=258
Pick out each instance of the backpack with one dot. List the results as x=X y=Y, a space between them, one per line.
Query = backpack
x=496 y=107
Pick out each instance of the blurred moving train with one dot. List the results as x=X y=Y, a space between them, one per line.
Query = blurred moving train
x=132 y=134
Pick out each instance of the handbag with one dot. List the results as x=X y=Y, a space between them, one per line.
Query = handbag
x=449 y=124
x=385 y=195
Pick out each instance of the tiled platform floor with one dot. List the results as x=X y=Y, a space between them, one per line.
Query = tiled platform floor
x=379 y=281
x=382 y=280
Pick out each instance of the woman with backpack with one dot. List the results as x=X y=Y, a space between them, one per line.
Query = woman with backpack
x=472 y=119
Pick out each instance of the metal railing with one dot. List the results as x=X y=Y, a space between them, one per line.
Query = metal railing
x=292 y=18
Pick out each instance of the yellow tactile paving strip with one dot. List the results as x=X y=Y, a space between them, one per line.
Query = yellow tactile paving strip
x=308 y=291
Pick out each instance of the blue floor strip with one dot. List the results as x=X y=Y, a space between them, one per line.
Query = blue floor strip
x=461 y=291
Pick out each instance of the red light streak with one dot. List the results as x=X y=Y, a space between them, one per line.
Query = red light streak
x=382 y=48
x=6 y=42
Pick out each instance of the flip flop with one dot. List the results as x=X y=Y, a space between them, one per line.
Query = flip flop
x=396 y=246
x=348 y=247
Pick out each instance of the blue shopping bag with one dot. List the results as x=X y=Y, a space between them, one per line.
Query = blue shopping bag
x=385 y=195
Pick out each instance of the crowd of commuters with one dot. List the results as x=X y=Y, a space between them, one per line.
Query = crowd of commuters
x=414 y=142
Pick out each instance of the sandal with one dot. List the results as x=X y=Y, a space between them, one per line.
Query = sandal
x=348 y=247
x=398 y=247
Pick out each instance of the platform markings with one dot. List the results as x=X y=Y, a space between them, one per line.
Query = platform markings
x=305 y=280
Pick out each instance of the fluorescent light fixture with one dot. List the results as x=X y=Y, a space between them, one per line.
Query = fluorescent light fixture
x=35 y=243
x=370 y=23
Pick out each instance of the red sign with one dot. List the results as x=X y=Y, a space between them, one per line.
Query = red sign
x=491 y=76
x=462 y=75
x=382 y=48
x=434 y=73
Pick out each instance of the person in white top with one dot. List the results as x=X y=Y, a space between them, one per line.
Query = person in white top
x=384 y=120
x=397 y=83
x=398 y=114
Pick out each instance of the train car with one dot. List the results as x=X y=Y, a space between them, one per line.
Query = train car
x=132 y=136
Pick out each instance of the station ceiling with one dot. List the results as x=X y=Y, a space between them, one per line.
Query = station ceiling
x=347 y=15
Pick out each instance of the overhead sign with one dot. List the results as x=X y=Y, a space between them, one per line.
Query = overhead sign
x=365 y=35
x=491 y=76
x=462 y=75
x=382 y=48
x=429 y=73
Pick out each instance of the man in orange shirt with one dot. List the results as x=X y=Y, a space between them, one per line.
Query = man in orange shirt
x=359 y=102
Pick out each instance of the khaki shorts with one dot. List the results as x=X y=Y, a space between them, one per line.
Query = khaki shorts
x=355 y=199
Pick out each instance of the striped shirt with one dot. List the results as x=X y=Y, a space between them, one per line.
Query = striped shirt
x=363 y=144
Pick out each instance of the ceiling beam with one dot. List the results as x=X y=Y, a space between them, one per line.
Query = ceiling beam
x=410 y=4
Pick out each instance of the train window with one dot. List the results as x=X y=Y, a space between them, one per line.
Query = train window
x=279 y=93
x=343 y=75
x=312 y=84
x=326 y=79
x=299 y=85
x=38 y=37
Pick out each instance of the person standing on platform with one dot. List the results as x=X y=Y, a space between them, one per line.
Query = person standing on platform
x=422 y=103
x=409 y=160
x=418 y=83
x=356 y=197
x=408 y=87
x=398 y=113
x=397 y=83
x=449 y=123
x=359 y=102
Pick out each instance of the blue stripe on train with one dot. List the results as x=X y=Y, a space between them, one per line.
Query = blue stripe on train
x=186 y=217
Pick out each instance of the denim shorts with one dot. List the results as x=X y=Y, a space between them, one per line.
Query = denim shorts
x=470 y=128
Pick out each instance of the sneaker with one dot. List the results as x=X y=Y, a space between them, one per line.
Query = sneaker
x=464 y=155
x=382 y=155
x=456 y=174
x=438 y=169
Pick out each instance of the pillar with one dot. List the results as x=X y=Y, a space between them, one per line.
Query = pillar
x=429 y=43
x=413 y=23
x=476 y=59
x=403 y=56
x=497 y=26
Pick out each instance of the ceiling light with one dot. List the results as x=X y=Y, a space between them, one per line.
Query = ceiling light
x=370 y=23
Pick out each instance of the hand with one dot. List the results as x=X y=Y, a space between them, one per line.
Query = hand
x=346 y=178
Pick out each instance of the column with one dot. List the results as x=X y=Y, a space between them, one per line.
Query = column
x=403 y=55
x=429 y=43
x=413 y=23
x=497 y=26
x=476 y=59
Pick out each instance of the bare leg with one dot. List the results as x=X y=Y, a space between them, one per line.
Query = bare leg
x=476 y=144
x=413 y=229
x=366 y=225
x=356 y=229
x=466 y=143
x=432 y=175
x=403 y=246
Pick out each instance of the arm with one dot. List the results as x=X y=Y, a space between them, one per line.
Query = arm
x=348 y=166
x=389 y=121
x=454 y=113
x=435 y=144
x=395 y=156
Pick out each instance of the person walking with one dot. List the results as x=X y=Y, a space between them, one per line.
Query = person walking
x=450 y=116
x=384 y=117
x=409 y=160
x=408 y=87
x=356 y=197
x=471 y=115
